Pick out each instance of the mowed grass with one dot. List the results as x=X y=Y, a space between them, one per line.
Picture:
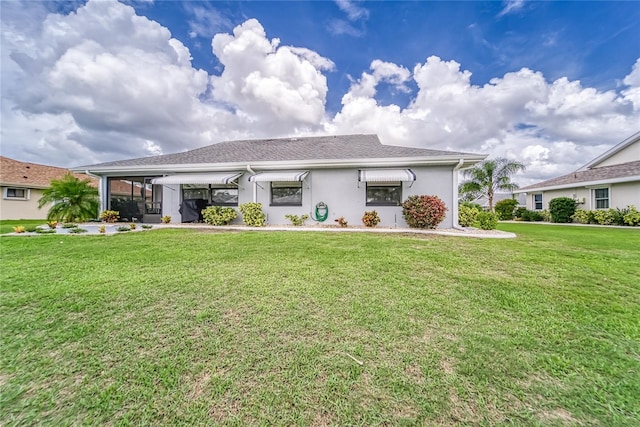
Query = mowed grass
x=186 y=327
x=6 y=225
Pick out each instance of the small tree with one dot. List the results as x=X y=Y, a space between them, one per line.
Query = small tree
x=73 y=199
x=562 y=209
x=487 y=177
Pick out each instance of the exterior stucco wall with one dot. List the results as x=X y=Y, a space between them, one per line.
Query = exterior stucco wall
x=340 y=191
x=620 y=196
x=22 y=209
x=625 y=194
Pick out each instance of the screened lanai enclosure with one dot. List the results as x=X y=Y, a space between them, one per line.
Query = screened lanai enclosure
x=136 y=198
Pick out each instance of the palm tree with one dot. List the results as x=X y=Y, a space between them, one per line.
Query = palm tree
x=72 y=199
x=487 y=177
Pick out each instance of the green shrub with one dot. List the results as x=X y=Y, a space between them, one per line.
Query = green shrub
x=252 y=214
x=632 y=217
x=69 y=225
x=583 y=217
x=527 y=215
x=424 y=211
x=371 y=218
x=562 y=209
x=147 y=226
x=297 y=220
x=504 y=209
x=604 y=216
x=475 y=206
x=109 y=216
x=219 y=215
x=31 y=228
x=467 y=215
x=123 y=228
x=486 y=220
x=77 y=230
x=519 y=212
x=45 y=230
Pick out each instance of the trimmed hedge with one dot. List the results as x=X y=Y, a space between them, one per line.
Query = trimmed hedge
x=562 y=209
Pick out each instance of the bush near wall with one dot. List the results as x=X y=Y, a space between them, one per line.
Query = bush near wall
x=628 y=216
x=252 y=214
x=562 y=209
x=219 y=215
x=424 y=211
x=467 y=215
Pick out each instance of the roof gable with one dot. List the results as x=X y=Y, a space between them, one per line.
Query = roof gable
x=622 y=172
x=628 y=150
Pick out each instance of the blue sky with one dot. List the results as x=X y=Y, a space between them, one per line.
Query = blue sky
x=553 y=84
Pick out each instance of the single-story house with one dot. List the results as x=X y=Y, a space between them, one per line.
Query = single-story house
x=611 y=180
x=22 y=185
x=497 y=197
x=326 y=176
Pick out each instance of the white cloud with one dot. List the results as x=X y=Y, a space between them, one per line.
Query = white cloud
x=205 y=20
x=353 y=10
x=277 y=87
x=103 y=83
x=511 y=6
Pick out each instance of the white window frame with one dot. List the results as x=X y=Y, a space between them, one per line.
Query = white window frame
x=596 y=199
x=27 y=193
x=535 y=202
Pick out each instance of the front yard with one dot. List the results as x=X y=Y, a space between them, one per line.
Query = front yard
x=189 y=327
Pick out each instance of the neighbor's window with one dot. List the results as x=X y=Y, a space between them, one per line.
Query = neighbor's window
x=222 y=195
x=537 y=202
x=286 y=193
x=16 y=193
x=384 y=194
x=601 y=195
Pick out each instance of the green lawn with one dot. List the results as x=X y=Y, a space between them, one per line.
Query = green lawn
x=6 y=225
x=182 y=327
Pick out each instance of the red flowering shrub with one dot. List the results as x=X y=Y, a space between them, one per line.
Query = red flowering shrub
x=424 y=211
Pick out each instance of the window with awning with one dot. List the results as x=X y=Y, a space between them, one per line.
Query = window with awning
x=200 y=178
x=386 y=175
x=295 y=176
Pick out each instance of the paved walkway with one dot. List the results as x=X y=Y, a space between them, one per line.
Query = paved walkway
x=466 y=232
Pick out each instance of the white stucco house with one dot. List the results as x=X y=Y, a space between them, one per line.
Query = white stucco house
x=611 y=180
x=344 y=175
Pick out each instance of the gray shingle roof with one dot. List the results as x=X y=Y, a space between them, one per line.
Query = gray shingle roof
x=286 y=149
x=621 y=170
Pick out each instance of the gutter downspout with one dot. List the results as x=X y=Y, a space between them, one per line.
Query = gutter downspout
x=255 y=185
x=454 y=211
x=101 y=191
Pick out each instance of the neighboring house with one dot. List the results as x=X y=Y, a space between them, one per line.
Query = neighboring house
x=484 y=201
x=22 y=184
x=611 y=180
x=347 y=174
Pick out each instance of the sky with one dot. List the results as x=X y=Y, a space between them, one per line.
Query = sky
x=550 y=84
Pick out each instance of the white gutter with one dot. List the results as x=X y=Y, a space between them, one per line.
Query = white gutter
x=289 y=164
x=255 y=185
x=454 y=210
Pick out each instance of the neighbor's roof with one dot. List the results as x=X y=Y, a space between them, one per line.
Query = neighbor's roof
x=32 y=175
x=339 y=147
x=623 y=172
